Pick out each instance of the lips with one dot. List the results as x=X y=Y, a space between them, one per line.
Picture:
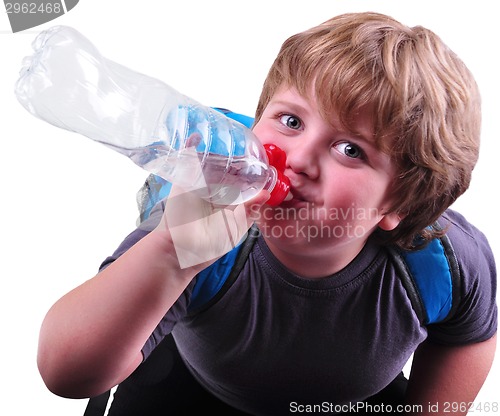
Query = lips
x=299 y=192
x=300 y=189
x=298 y=196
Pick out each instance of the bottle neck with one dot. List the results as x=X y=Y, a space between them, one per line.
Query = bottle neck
x=278 y=185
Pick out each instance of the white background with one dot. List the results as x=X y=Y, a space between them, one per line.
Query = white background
x=67 y=202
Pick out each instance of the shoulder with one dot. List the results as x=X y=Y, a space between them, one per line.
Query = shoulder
x=474 y=318
x=456 y=222
x=143 y=229
x=470 y=244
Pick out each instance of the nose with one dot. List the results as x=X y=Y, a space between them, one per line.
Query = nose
x=302 y=158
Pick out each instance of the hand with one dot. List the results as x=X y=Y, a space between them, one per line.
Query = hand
x=200 y=231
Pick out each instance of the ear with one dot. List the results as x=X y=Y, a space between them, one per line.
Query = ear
x=390 y=221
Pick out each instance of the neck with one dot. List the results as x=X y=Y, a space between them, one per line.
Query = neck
x=315 y=261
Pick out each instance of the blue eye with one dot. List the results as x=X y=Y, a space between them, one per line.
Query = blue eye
x=350 y=150
x=290 y=121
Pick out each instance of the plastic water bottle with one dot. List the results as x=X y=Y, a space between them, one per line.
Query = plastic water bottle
x=67 y=83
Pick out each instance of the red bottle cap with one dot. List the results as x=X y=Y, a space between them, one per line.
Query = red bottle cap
x=277 y=158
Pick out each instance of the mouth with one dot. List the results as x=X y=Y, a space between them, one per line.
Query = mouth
x=297 y=194
x=294 y=198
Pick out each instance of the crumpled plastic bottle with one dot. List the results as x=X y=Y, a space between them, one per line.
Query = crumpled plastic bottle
x=68 y=83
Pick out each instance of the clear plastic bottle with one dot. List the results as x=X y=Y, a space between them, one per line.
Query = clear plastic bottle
x=69 y=84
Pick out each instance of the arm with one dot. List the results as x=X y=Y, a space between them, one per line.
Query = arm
x=91 y=339
x=442 y=374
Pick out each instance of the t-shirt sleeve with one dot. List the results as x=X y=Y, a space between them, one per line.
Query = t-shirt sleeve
x=139 y=233
x=475 y=316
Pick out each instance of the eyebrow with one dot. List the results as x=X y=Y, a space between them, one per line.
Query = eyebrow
x=368 y=139
x=295 y=107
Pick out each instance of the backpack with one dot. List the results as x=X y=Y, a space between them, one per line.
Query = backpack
x=430 y=275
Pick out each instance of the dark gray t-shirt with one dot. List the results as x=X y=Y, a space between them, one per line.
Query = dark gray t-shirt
x=275 y=338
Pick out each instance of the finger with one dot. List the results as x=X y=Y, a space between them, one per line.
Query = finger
x=193 y=140
x=261 y=198
x=184 y=207
x=253 y=206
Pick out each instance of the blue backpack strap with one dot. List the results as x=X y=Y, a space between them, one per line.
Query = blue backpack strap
x=240 y=118
x=153 y=191
x=431 y=277
x=214 y=281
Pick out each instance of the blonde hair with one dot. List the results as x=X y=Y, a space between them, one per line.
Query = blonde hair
x=425 y=103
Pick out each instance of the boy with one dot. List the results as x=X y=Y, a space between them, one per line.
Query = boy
x=380 y=124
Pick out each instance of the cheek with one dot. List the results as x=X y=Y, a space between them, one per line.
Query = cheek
x=354 y=190
x=260 y=133
x=265 y=134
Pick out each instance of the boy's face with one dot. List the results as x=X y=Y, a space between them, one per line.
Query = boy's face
x=340 y=180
